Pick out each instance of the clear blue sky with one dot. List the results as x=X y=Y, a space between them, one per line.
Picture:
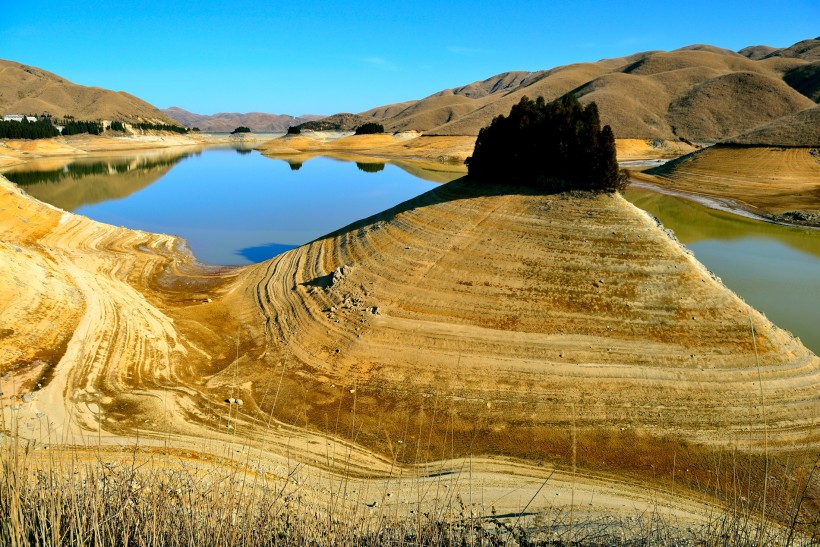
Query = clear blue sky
x=320 y=57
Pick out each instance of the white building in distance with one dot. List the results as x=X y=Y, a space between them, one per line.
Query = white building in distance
x=17 y=118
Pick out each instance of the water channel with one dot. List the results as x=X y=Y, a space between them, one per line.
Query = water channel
x=238 y=207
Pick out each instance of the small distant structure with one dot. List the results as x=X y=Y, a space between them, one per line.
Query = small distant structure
x=18 y=118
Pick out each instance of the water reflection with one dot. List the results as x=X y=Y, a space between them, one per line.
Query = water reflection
x=370 y=167
x=72 y=183
x=232 y=208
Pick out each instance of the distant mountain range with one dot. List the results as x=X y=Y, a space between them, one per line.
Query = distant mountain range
x=697 y=93
x=29 y=90
x=228 y=121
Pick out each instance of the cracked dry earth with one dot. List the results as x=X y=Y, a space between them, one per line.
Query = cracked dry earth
x=510 y=328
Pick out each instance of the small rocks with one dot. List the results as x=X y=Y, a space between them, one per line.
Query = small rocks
x=340 y=273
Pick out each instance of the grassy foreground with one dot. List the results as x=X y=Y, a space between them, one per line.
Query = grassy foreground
x=88 y=496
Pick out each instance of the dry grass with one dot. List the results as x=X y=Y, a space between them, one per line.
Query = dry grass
x=33 y=90
x=794 y=131
x=52 y=496
x=700 y=93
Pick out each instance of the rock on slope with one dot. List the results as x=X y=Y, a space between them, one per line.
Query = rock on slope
x=29 y=90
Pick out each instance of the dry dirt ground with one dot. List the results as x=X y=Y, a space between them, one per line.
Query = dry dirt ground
x=16 y=152
x=520 y=333
x=443 y=150
x=767 y=181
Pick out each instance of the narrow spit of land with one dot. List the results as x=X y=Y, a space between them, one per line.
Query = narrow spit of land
x=472 y=320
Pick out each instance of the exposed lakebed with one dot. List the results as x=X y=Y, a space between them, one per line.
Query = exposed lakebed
x=238 y=207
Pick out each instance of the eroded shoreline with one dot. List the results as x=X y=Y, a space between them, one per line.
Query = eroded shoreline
x=461 y=337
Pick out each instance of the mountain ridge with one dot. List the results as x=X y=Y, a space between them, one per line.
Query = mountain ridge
x=26 y=89
x=228 y=121
x=698 y=93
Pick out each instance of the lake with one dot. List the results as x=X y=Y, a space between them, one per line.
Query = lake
x=232 y=206
x=238 y=207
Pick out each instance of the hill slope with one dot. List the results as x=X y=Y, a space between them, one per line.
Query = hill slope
x=228 y=121
x=29 y=90
x=698 y=93
x=468 y=320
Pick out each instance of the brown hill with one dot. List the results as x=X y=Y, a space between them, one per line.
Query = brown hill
x=806 y=49
x=336 y=122
x=801 y=129
x=731 y=104
x=756 y=53
x=805 y=79
x=228 y=121
x=770 y=181
x=699 y=93
x=29 y=90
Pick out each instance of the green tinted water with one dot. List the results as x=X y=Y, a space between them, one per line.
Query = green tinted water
x=774 y=268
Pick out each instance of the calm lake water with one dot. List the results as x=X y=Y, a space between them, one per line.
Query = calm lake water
x=232 y=206
x=237 y=207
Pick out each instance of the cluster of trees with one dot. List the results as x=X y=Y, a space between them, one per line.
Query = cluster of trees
x=557 y=146
x=41 y=129
x=44 y=128
x=294 y=130
x=75 y=127
x=241 y=129
x=159 y=127
x=370 y=128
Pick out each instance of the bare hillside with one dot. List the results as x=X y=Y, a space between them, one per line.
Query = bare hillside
x=801 y=129
x=29 y=90
x=698 y=93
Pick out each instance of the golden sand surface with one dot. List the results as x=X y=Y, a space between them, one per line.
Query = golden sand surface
x=764 y=180
x=477 y=322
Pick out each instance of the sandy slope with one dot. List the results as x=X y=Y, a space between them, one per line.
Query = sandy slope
x=468 y=321
x=408 y=144
x=765 y=180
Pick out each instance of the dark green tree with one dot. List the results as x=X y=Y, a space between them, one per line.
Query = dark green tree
x=370 y=128
x=144 y=126
x=40 y=129
x=294 y=130
x=241 y=129
x=76 y=127
x=557 y=146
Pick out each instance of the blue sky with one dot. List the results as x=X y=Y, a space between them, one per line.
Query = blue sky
x=325 y=57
